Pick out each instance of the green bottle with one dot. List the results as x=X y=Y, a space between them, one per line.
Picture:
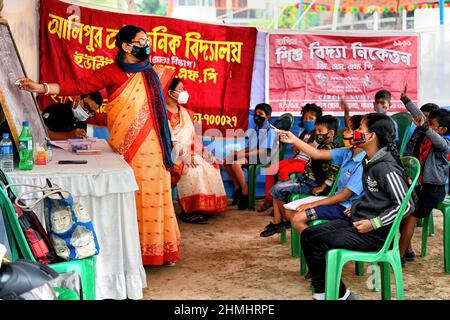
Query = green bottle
x=26 y=161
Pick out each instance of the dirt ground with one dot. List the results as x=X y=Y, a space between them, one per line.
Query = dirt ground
x=227 y=259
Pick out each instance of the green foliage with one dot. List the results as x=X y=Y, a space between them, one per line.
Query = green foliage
x=287 y=19
x=152 y=7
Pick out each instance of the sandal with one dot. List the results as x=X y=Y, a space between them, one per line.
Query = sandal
x=193 y=218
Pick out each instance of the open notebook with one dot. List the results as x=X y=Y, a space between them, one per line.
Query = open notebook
x=294 y=204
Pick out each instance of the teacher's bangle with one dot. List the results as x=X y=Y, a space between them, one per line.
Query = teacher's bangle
x=47 y=88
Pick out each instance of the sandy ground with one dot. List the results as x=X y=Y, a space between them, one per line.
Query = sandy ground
x=227 y=259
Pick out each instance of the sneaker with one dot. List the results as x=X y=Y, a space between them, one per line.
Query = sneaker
x=243 y=202
x=346 y=295
x=409 y=256
x=319 y=296
x=287 y=224
x=272 y=229
x=264 y=206
x=237 y=194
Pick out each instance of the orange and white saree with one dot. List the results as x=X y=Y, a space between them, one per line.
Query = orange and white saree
x=132 y=134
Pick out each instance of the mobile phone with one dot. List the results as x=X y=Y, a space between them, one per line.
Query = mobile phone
x=72 y=161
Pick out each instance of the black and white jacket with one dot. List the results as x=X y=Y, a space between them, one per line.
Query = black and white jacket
x=384 y=187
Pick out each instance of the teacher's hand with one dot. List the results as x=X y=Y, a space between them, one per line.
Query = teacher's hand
x=30 y=85
x=79 y=133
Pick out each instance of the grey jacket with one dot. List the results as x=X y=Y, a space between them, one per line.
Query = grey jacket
x=435 y=169
x=384 y=188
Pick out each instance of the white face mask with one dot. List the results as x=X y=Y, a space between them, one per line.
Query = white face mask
x=379 y=108
x=183 y=97
x=80 y=114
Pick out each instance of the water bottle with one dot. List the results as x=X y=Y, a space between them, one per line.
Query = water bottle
x=26 y=160
x=6 y=154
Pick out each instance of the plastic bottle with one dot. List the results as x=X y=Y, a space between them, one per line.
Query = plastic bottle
x=26 y=148
x=6 y=154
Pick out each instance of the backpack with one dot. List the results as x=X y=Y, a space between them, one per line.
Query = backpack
x=35 y=234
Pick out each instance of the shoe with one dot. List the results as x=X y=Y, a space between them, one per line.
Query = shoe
x=346 y=295
x=243 y=202
x=319 y=296
x=287 y=224
x=264 y=206
x=271 y=229
x=409 y=256
x=237 y=194
x=403 y=261
x=193 y=218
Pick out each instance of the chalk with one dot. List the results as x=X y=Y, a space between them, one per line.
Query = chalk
x=17 y=83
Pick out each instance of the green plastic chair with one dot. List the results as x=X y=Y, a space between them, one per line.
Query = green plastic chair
x=427 y=225
x=85 y=268
x=444 y=207
x=284 y=122
x=386 y=257
x=404 y=121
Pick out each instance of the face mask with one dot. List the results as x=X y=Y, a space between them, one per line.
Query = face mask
x=321 y=138
x=358 y=138
x=309 y=125
x=379 y=109
x=348 y=143
x=141 y=53
x=183 y=97
x=259 y=120
x=80 y=114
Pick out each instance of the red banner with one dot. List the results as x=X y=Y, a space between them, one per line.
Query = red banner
x=306 y=68
x=215 y=62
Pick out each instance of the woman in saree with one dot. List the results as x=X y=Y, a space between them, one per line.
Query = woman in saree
x=139 y=130
x=200 y=188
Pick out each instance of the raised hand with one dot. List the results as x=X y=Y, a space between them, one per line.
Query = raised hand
x=404 y=92
x=286 y=136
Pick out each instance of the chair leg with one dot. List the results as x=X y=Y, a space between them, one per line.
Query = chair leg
x=88 y=280
x=398 y=276
x=385 y=281
x=332 y=276
x=431 y=225
x=426 y=222
x=283 y=236
x=375 y=276
x=251 y=187
x=294 y=242
x=446 y=240
x=359 y=268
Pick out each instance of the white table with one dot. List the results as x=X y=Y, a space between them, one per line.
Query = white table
x=105 y=186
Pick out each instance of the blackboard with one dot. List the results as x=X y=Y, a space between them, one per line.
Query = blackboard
x=17 y=105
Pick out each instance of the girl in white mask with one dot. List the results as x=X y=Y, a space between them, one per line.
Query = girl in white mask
x=200 y=186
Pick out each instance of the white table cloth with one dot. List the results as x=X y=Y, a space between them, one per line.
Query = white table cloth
x=105 y=186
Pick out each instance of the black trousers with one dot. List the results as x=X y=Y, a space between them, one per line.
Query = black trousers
x=336 y=234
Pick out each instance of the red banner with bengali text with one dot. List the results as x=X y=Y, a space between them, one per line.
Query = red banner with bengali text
x=215 y=62
x=307 y=68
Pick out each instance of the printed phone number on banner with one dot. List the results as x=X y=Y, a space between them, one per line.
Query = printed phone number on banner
x=211 y=119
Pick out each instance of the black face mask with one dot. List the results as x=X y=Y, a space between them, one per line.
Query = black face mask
x=141 y=53
x=321 y=138
x=259 y=120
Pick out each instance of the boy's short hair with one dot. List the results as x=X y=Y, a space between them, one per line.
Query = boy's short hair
x=312 y=107
x=96 y=96
x=356 y=121
x=429 y=107
x=442 y=116
x=264 y=107
x=383 y=94
x=330 y=122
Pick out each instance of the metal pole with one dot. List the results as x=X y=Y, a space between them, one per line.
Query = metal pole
x=303 y=14
x=404 y=20
x=441 y=11
x=335 y=14
x=376 y=20
x=300 y=9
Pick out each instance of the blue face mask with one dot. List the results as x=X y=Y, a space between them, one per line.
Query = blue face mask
x=309 y=126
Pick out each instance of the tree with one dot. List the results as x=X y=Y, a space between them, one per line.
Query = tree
x=153 y=7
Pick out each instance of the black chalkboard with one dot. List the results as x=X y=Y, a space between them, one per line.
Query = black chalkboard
x=17 y=105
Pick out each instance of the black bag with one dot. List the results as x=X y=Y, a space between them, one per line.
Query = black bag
x=37 y=239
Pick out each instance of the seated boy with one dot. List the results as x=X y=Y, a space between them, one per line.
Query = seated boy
x=432 y=155
x=261 y=139
x=349 y=186
x=310 y=112
x=317 y=179
x=382 y=104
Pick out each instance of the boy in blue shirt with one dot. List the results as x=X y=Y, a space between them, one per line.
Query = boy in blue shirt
x=261 y=139
x=349 y=186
